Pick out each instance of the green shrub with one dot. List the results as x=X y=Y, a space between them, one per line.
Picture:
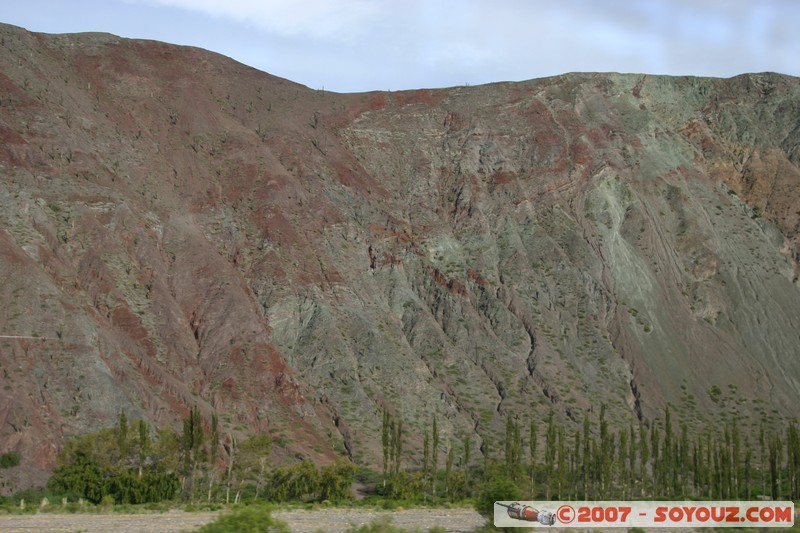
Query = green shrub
x=335 y=480
x=107 y=502
x=502 y=489
x=10 y=459
x=250 y=519
x=83 y=475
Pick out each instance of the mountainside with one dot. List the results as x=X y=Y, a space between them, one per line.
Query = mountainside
x=177 y=229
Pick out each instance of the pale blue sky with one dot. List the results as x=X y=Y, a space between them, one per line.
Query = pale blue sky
x=361 y=45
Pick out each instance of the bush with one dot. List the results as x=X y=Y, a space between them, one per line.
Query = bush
x=501 y=489
x=129 y=487
x=405 y=486
x=9 y=460
x=107 y=502
x=296 y=482
x=251 y=519
x=336 y=479
x=84 y=476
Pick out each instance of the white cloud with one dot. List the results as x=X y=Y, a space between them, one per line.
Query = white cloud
x=348 y=45
x=338 y=20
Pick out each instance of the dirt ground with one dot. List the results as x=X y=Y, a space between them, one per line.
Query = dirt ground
x=96 y=523
x=300 y=521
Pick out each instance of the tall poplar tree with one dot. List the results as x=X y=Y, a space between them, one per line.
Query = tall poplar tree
x=448 y=468
x=487 y=459
x=654 y=453
x=747 y=460
x=550 y=452
x=144 y=443
x=644 y=456
x=532 y=450
x=793 y=458
x=398 y=446
x=606 y=453
x=575 y=467
x=385 y=442
x=426 y=453
x=683 y=461
x=735 y=458
x=213 y=452
x=762 y=445
x=668 y=460
x=193 y=441
x=586 y=457
x=622 y=462
x=561 y=461
x=467 y=452
x=632 y=458
x=435 y=454
x=122 y=434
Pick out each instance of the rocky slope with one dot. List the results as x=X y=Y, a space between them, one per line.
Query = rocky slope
x=179 y=229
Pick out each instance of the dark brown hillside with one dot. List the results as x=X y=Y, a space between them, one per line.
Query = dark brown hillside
x=179 y=229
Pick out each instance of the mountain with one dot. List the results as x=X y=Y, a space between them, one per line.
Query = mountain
x=178 y=229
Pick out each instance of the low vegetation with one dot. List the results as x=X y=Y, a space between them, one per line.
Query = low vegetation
x=9 y=460
x=250 y=519
x=128 y=464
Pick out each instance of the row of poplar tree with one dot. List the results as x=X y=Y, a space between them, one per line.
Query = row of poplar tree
x=129 y=464
x=594 y=462
x=451 y=483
